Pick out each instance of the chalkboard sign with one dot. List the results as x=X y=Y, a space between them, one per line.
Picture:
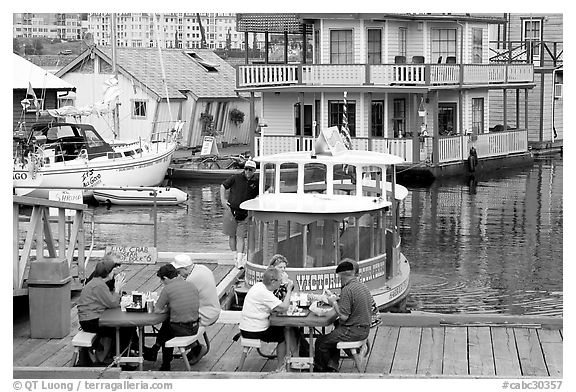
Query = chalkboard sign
x=135 y=254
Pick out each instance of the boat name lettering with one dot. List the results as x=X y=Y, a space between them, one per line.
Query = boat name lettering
x=311 y=282
x=20 y=176
x=398 y=290
x=89 y=179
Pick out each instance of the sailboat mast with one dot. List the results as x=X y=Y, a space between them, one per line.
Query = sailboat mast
x=116 y=112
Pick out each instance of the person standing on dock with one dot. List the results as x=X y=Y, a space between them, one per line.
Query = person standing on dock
x=240 y=187
x=354 y=312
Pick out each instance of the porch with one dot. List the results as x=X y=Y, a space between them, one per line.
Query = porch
x=384 y=75
x=414 y=150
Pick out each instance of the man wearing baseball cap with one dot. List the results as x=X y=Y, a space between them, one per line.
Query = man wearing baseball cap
x=235 y=190
x=354 y=313
x=209 y=307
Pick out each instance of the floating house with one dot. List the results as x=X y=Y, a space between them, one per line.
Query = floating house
x=199 y=91
x=414 y=85
x=531 y=39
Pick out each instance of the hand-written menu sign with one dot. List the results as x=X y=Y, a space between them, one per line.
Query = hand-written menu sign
x=68 y=196
x=135 y=254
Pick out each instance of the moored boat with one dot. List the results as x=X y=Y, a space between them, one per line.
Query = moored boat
x=70 y=155
x=165 y=196
x=349 y=213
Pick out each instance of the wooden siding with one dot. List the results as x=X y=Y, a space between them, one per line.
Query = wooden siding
x=278 y=113
x=552 y=26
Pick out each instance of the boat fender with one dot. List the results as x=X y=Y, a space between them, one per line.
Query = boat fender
x=472 y=160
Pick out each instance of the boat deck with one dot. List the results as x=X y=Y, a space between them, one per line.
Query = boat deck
x=403 y=346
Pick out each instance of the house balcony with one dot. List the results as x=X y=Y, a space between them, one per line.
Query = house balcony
x=262 y=76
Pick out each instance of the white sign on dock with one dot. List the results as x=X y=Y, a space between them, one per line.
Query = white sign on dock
x=135 y=254
x=209 y=146
x=68 y=196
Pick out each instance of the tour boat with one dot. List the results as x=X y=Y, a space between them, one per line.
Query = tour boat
x=70 y=155
x=165 y=196
x=349 y=213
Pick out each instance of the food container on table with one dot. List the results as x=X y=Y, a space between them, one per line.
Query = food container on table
x=320 y=308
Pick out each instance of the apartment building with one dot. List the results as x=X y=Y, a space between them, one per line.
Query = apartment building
x=49 y=25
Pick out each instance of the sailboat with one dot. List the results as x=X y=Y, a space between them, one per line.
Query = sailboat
x=67 y=155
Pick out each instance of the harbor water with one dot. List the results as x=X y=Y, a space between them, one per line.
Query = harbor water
x=476 y=245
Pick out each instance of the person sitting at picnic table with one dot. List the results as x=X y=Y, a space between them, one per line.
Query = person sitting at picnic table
x=179 y=298
x=259 y=303
x=95 y=298
x=375 y=317
x=354 y=312
x=280 y=262
x=203 y=278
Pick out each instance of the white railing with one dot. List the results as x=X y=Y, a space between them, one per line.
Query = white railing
x=353 y=74
x=382 y=74
x=444 y=74
x=501 y=143
x=450 y=149
x=267 y=74
x=400 y=147
x=521 y=73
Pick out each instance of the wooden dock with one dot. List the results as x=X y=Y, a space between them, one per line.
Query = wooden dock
x=403 y=346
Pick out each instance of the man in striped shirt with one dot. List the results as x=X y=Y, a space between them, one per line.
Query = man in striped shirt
x=180 y=298
x=354 y=308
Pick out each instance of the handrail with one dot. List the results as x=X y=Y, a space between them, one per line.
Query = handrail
x=52 y=203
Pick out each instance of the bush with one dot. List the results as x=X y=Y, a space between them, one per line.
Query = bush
x=236 y=116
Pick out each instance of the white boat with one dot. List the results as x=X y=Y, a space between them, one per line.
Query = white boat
x=317 y=223
x=163 y=196
x=65 y=155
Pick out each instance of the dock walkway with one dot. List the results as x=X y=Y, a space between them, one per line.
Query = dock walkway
x=403 y=346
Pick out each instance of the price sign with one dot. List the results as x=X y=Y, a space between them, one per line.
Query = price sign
x=135 y=254
x=68 y=196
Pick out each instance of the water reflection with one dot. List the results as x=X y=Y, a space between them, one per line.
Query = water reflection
x=489 y=245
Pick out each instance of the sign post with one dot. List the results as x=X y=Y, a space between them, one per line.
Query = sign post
x=209 y=146
x=135 y=254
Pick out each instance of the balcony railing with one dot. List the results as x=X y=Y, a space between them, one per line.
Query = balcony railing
x=450 y=149
x=264 y=75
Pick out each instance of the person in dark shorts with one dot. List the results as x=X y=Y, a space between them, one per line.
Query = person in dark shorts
x=235 y=190
x=259 y=303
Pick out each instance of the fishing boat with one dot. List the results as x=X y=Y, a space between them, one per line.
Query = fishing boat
x=70 y=155
x=162 y=196
x=352 y=212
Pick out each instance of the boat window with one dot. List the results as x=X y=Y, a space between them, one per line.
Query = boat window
x=114 y=155
x=288 y=177
x=128 y=153
x=315 y=178
x=93 y=139
x=138 y=151
x=344 y=179
x=371 y=181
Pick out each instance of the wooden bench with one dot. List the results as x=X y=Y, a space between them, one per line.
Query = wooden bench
x=81 y=340
x=355 y=349
x=182 y=342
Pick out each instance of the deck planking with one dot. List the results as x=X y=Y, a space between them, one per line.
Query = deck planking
x=402 y=346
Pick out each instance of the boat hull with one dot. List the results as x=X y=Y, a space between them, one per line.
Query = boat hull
x=149 y=169
x=164 y=196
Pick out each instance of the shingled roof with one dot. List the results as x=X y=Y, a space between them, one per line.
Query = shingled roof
x=199 y=71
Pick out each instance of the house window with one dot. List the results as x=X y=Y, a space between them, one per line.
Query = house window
x=446 y=119
x=477 y=46
x=374 y=46
x=532 y=33
x=402 y=33
x=139 y=109
x=478 y=115
x=335 y=112
x=443 y=43
x=341 y=47
x=377 y=118
x=399 y=117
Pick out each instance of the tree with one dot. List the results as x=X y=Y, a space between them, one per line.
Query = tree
x=37 y=46
x=229 y=39
x=202 y=32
